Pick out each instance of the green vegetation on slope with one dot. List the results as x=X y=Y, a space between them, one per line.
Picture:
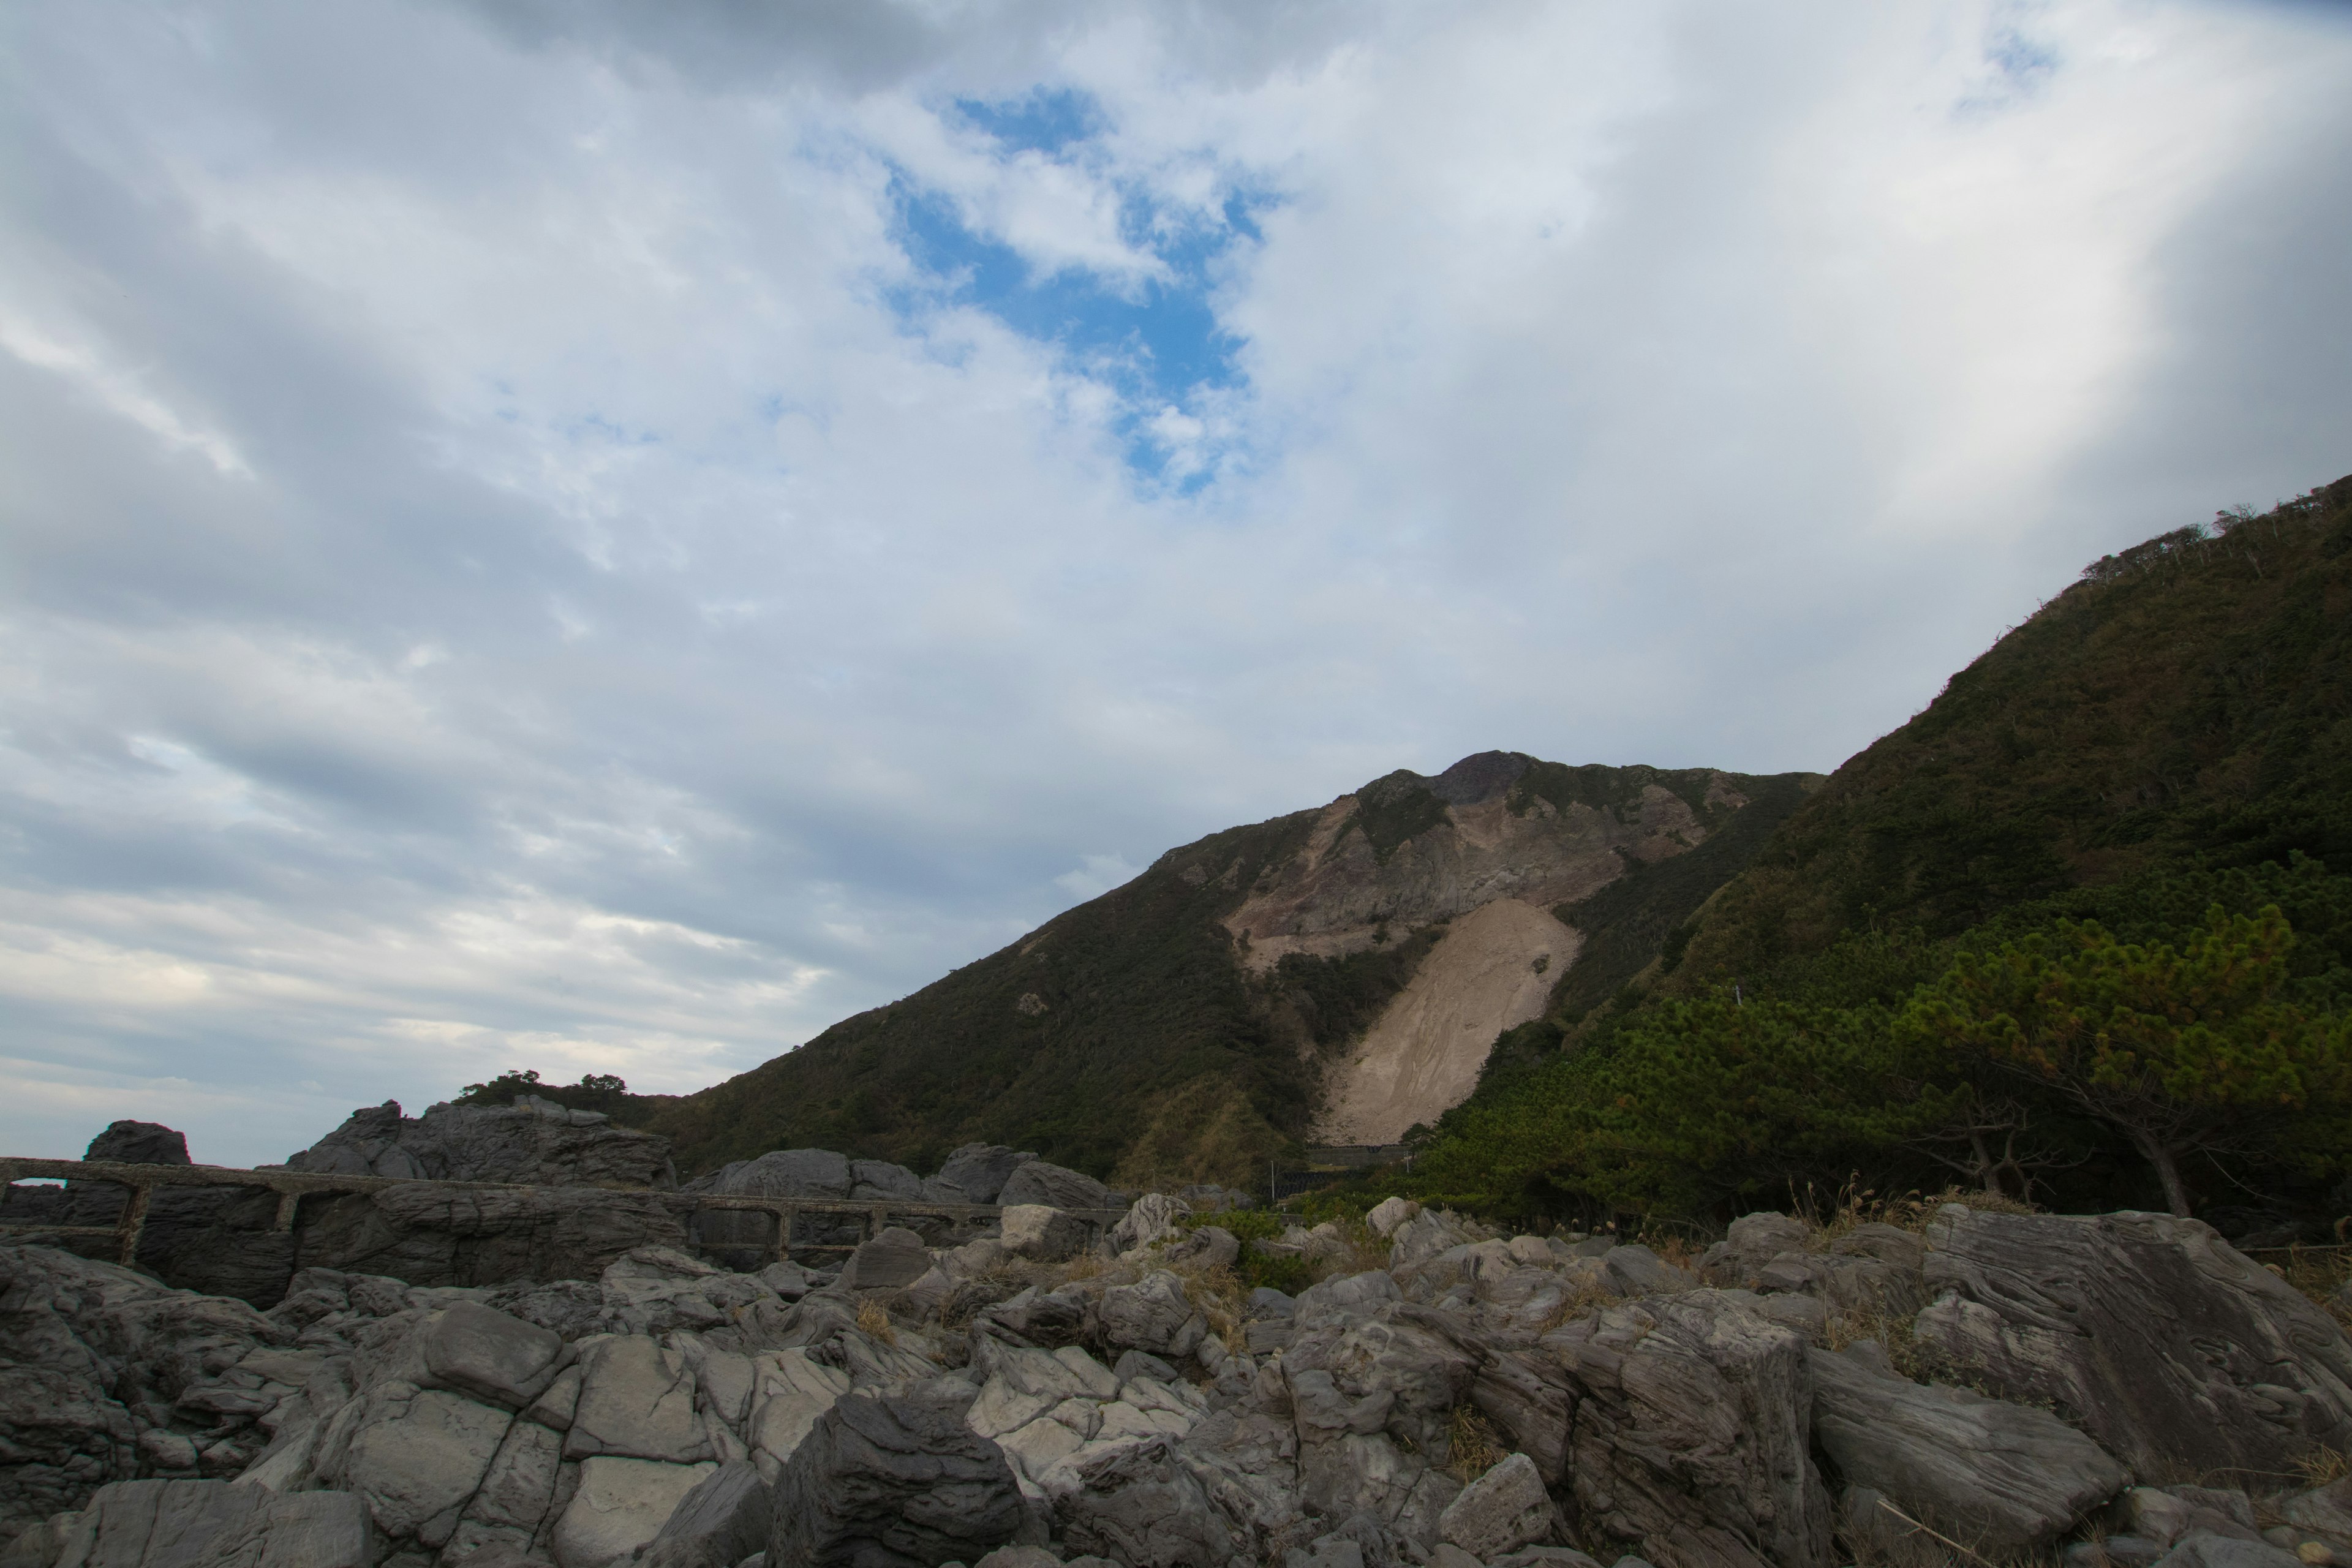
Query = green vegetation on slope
x=1125 y=1037
x=2163 y=746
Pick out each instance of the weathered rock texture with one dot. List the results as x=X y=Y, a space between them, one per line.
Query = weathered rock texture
x=2155 y=1335
x=885 y=1481
x=534 y=1141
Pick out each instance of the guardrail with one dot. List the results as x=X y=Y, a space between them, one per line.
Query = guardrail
x=293 y=1186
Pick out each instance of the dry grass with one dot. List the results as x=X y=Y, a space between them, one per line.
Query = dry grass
x=873 y=1320
x=1580 y=1302
x=1826 y=1220
x=2319 y=1273
x=1473 y=1447
x=1891 y=1330
x=2323 y=1467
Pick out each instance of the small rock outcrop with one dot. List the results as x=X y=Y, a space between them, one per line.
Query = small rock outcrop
x=534 y=1141
x=891 y=1480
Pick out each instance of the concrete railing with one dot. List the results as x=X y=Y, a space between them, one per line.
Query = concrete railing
x=293 y=1186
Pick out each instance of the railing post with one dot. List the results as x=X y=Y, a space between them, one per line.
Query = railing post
x=134 y=1220
x=288 y=1201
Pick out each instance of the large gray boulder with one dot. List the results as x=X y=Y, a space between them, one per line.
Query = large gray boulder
x=780 y=1174
x=1692 y=1433
x=725 y=1519
x=2151 y=1332
x=976 y=1173
x=893 y=1481
x=892 y=1260
x=415 y=1455
x=620 y=1508
x=636 y=1401
x=1501 y=1512
x=881 y=1179
x=1036 y=1182
x=536 y=1142
x=1153 y=1314
x=2007 y=1479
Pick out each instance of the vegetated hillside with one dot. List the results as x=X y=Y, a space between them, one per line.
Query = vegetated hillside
x=1177 y=1027
x=2087 y=919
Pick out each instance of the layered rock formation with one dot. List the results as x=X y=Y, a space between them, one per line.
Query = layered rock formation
x=1520 y=1401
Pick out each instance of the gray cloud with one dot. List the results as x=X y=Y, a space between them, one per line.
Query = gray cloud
x=509 y=561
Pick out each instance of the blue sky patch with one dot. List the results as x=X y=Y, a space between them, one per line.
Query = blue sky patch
x=1155 y=341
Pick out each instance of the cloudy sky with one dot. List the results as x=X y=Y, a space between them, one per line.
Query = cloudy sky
x=605 y=537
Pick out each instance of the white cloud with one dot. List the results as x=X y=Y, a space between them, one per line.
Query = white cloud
x=526 y=570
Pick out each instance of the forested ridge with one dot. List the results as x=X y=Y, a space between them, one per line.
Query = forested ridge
x=2082 y=928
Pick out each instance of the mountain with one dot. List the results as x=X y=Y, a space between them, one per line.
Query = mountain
x=1341 y=971
x=2169 y=736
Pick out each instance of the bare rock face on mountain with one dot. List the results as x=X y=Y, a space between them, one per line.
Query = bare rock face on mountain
x=533 y=1142
x=1374 y=858
x=2158 y=1338
x=431 y=1234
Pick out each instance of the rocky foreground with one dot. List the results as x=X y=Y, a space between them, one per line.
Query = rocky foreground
x=2123 y=1388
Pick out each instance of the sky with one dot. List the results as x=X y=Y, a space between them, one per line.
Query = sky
x=605 y=538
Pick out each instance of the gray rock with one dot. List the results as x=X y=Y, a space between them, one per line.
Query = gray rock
x=1153 y=1314
x=1634 y=1270
x=1752 y=1242
x=725 y=1519
x=2161 y=1340
x=1501 y=1512
x=1143 y=1363
x=789 y=1393
x=211 y=1524
x=1531 y=1401
x=1345 y=1295
x=1550 y=1557
x=415 y=1456
x=892 y=1260
x=1266 y=1301
x=430 y=1234
x=485 y=1355
x=138 y=1144
x=879 y=1179
x=1019 y=1557
x=619 y=1508
x=1036 y=1182
x=2205 y=1549
x=1144 y=1507
x=1152 y=1218
x=2007 y=1479
x=1046 y=1235
x=539 y=1144
x=979 y=1170
x=1692 y=1434
x=517 y=1488
x=2327 y=1510
x=1388 y=1213
x=893 y=1481
x=1409 y=1355
x=636 y=1401
x=1210 y=1247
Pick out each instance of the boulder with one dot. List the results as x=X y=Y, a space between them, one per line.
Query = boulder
x=1632 y=1270
x=1531 y=1401
x=1501 y=1512
x=2151 y=1332
x=1388 y=1213
x=516 y=1491
x=620 y=1508
x=977 y=1171
x=485 y=1355
x=893 y=1481
x=1046 y=1235
x=725 y=1519
x=1210 y=1247
x=892 y=1260
x=1036 y=1182
x=1692 y=1434
x=138 y=1144
x=536 y=1143
x=1144 y=1507
x=1153 y=1314
x=2007 y=1479
x=789 y=1394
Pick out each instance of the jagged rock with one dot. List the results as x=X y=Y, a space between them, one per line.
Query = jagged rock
x=140 y=1144
x=1388 y=1213
x=1153 y=1314
x=1531 y=1401
x=211 y=1524
x=1144 y=1507
x=1210 y=1247
x=2007 y=1479
x=1150 y=1218
x=2327 y=1510
x=1501 y=1512
x=516 y=1490
x=482 y=1353
x=636 y=1400
x=1344 y=1296
x=893 y=1481
x=1752 y=1242
x=2161 y=1340
x=620 y=1508
x=1046 y=1235
x=977 y=1172
x=893 y=1259
x=1632 y=1270
x=725 y=1519
x=660 y=1289
x=1406 y=1355
x=1036 y=1182
x=1692 y=1434
x=2206 y=1549
x=537 y=1143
